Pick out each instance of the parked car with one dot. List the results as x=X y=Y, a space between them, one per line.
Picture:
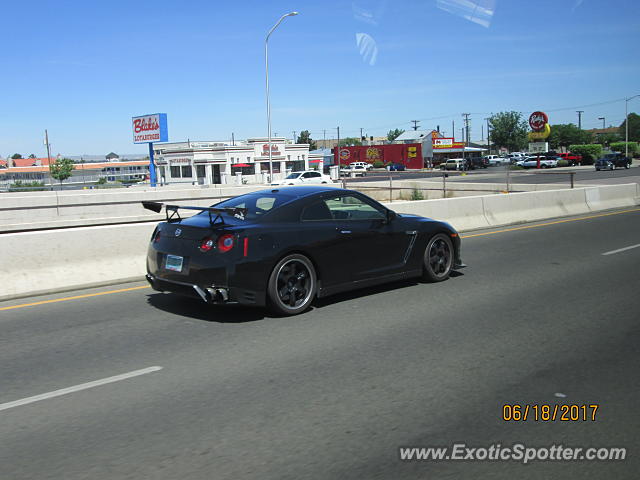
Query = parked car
x=494 y=160
x=477 y=162
x=286 y=247
x=396 y=167
x=454 y=164
x=611 y=161
x=571 y=158
x=305 y=177
x=545 y=162
x=365 y=165
x=356 y=170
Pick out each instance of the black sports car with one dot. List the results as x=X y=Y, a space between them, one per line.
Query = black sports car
x=284 y=247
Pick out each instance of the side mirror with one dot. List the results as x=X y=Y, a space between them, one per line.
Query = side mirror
x=391 y=215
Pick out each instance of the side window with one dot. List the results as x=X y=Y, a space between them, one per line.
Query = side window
x=307 y=175
x=349 y=207
x=316 y=211
x=314 y=174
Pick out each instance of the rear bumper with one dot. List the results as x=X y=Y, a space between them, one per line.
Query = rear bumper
x=211 y=294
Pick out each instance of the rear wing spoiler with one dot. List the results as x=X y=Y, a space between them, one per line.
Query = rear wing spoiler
x=173 y=215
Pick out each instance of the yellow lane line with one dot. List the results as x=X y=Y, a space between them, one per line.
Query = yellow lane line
x=77 y=297
x=64 y=299
x=524 y=227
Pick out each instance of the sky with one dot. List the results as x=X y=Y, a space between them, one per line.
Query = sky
x=83 y=69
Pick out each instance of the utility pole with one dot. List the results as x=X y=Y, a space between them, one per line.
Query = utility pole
x=361 y=136
x=488 y=139
x=294 y=136
x=46 y=141
x=602 y=118
x=233 y=140
x=415 y=124
x=453 y=129
x=465 y=137
x=338 y=147
x=580 y=112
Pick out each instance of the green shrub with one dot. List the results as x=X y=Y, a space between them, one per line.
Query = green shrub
x=417 y=195
x=590 y=153
x=19 y=186
x=563 y=163
x=620 y=147
x=378 y=164
x=101 y=181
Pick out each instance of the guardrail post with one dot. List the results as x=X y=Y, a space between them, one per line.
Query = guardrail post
x=444 y=184
x=390 y=188
x=571 y=175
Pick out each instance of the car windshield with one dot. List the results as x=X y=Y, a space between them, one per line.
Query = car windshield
x=257 y=204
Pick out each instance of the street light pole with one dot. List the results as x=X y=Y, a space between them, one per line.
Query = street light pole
x=602 y=118
x=266 y=64
x=626 y=124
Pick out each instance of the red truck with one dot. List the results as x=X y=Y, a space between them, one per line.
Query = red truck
x=572 y=158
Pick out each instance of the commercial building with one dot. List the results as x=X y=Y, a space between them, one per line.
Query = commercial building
x=210 y=162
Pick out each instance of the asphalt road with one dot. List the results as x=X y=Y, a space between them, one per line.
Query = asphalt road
x=333 y=393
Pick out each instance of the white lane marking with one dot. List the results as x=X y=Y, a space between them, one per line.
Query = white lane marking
x=621 y=250
x=77 y=388
x=560 y=395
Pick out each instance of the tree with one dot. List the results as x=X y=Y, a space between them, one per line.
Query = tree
x=305 y=137
x=606 y=138
x=634 y=128
x=565 y=134
x=589 y=152
x=16 y=155
x=393 y=134
x=61 y=169
x=350 y=142
x=508 y=129
x=32 y=156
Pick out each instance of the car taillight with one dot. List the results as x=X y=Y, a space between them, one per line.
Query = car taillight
x=156 y=237
x=225 y=242
x=206 y=244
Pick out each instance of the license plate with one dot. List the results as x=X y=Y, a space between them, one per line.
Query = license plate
x=174 y=263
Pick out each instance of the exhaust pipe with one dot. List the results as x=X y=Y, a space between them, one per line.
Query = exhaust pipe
x=218 y=295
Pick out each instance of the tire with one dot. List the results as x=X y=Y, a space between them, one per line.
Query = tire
x=627 y=165
x=292 y=285
x=437 y=261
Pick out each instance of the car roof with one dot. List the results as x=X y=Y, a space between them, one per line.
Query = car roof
x=299 y=191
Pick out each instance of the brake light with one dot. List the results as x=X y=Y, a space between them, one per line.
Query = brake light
x=246 y=246
x=206 y=244
x=225 y=242
x=156 y=237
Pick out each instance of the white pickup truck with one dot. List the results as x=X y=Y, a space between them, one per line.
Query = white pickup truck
x=353 y=171
x=545 y=162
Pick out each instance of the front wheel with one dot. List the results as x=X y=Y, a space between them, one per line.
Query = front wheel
x=438 y=259
x=292 y=285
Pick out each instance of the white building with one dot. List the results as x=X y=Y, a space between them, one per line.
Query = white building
x=208 y=163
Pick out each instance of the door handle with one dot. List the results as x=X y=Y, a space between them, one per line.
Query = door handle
x=344 y=232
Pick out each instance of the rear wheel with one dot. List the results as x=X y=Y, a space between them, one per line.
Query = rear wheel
x=438 y=258
x=292 y=285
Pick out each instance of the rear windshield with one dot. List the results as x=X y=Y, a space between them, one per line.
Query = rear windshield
x=257 y=204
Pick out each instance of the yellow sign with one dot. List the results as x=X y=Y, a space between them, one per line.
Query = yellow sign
x=411 y=152
x=541 y=135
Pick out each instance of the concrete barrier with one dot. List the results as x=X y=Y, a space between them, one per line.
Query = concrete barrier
x=465 y=213
x=58 y=260
x=51 y=261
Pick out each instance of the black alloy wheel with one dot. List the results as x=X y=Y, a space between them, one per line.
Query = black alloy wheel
x=438 y=258
x=292 y=285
